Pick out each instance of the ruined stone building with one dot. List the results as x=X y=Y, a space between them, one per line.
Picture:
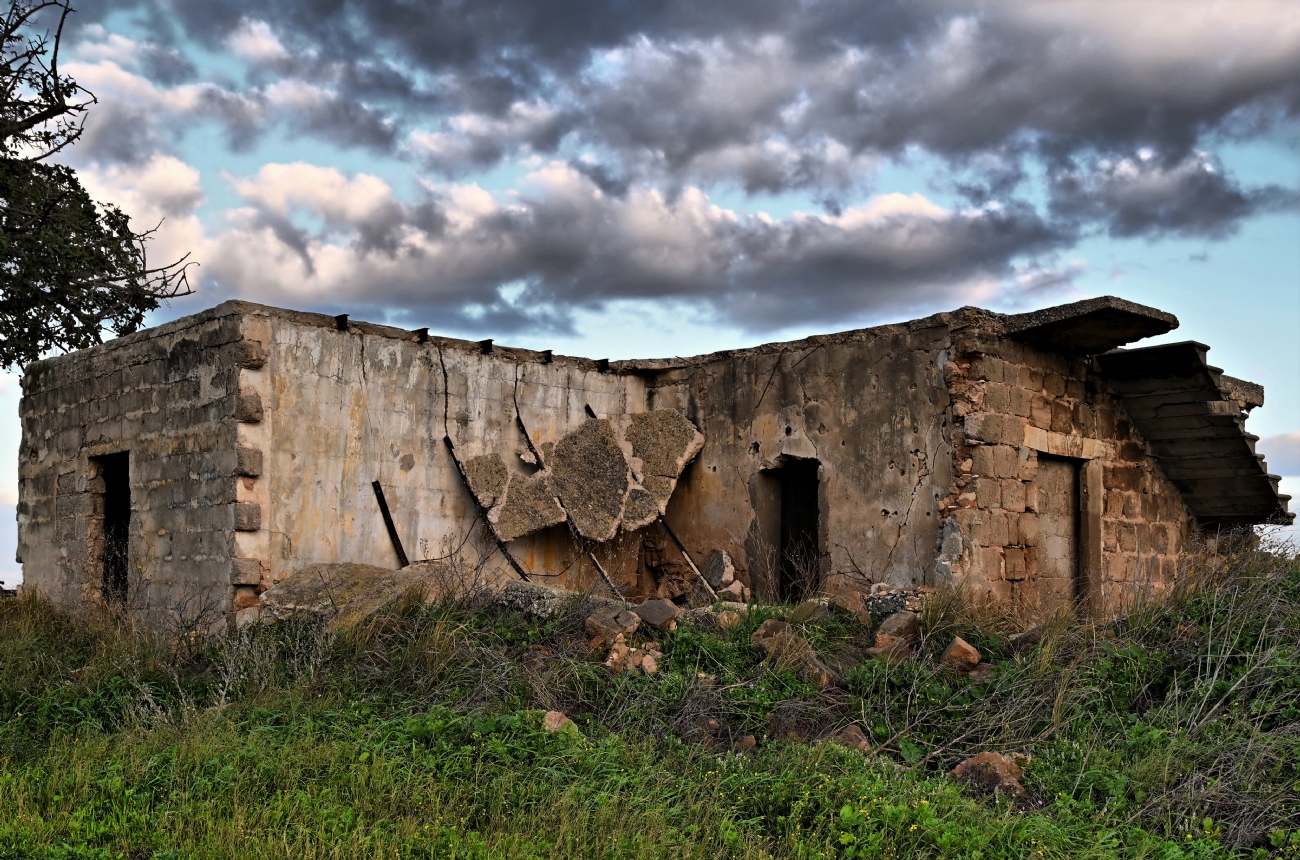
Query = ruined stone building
x=1025 y=457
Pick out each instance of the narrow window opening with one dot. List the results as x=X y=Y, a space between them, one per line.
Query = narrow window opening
x=800 y=551
x=115 y=471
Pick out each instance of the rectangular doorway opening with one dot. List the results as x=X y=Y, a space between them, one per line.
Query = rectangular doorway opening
x=799 y=547
x=1057 y=483
x=115 y=473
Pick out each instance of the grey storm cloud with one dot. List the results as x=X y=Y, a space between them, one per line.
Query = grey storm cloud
x=565 y=244
x=651 y=105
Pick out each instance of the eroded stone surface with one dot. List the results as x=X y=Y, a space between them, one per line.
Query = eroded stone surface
x=592 y=478
x=487 y=477
x=665 y=441
x=641 y=509
x=530 y=505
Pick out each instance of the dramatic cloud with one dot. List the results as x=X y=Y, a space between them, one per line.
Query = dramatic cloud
x=563 y=244
x=1049 y=121
x=1142 y=197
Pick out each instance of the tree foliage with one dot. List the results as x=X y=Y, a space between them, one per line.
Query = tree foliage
x=70 y=268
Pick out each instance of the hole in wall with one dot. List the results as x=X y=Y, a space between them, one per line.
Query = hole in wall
x=114 y=471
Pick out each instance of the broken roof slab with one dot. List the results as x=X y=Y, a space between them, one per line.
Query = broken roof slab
x=1089 y=327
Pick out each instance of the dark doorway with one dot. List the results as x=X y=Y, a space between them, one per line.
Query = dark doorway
x=800 y=552
x=115 y=471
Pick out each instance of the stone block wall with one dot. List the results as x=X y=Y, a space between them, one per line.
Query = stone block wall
x=1012 y=404
x=169 y=397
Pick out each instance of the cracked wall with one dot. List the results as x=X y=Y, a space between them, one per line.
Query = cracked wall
x=870 y=406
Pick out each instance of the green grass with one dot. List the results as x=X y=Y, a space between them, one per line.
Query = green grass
x=1172 y=733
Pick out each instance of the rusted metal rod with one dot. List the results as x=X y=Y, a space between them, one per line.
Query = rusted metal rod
x=402 y=560
x=681 y=547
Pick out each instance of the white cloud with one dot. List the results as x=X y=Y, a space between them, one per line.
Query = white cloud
x=254 y=41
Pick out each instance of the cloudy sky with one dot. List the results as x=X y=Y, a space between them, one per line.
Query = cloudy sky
x=663 y=177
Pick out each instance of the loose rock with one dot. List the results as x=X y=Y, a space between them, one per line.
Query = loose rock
x=904 y=625
x=1028 y=639
x=610 y=622
x=618 y=654
x=719 y=571
x=659 y=613
x=735 y=591
x=781 y=644
x=961 y=655
x=894 y=649
x=745 y=743
x=728 y=619
x=852 y=736
x=554 y=721
x=992 y=772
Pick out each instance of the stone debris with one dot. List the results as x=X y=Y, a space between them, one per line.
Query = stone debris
x=783 y=646
x=623 y=658
x=640 y=510
x=618 y=654
x=737 y=591
x=659 y=613
x=554 y=721
x=961 y=655
x=534 y=659
x=904 y=625
x=610 y=622
x=719 y=570
x=728 y=618
x=487 y=477
x=893 y=649
x=852 y=736
x=1027 y=639
x=851 y=603
x=588 y=477
x=980 y=674
x=994 y=773
x=745 y=743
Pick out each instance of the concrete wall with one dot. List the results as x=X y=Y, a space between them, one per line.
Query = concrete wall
x=168 y=396
x=870 y=406
x=1013 y=402
x=345 y=408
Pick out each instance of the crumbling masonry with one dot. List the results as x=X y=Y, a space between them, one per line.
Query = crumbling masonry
x=1027 y=458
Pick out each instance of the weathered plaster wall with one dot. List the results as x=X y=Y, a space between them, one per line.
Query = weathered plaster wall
x=1013 y=402
x=344 y=408
x=870 y=406
x=168 y=396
